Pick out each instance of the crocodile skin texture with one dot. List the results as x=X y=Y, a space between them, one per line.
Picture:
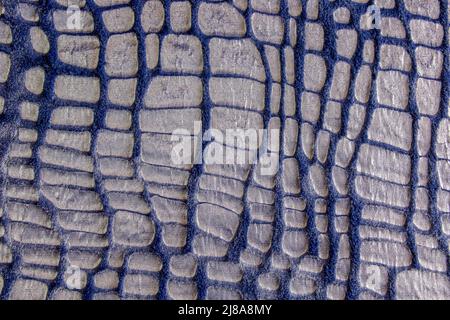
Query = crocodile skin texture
x=92 y=207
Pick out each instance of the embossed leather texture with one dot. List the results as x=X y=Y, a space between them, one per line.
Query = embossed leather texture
x=94 y=207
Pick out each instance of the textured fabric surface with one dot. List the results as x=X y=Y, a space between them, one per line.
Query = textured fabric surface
x=93 y=206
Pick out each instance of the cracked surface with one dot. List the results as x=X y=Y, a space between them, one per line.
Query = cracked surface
x=360 y=205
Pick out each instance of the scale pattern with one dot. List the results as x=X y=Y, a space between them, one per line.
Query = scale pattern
x=360 y=205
